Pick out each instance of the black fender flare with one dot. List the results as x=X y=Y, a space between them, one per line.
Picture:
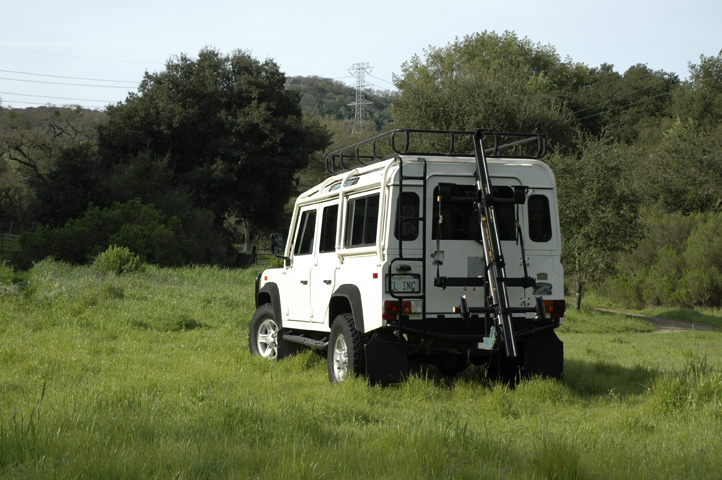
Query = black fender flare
x=350 y=294
x=269 y=294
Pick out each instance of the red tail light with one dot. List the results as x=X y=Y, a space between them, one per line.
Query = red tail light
x=555 y=308
x=391 y=308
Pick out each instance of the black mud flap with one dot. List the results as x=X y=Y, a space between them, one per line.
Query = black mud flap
x=386 y=359
x=541 y=354
x=544 y=355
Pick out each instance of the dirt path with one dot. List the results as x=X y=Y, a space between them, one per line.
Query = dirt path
x=665 y=325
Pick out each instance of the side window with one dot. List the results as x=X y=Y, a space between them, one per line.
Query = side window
x=362 y=219
x=540 y=222
x=408 y=206
x=305 y=232
x=328 y=229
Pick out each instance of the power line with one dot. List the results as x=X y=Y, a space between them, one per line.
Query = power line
x=369 y=76
x=625 y=95
x=60 y=83
x=628 y=105
x=70 y=78
x=80 y=56
x=56 y=98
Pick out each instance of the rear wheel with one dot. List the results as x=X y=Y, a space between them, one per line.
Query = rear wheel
x=345 y=350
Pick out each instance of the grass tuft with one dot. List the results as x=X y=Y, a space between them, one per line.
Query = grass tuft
x=697 y=385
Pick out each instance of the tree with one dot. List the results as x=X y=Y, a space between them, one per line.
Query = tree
x=599 y=215
x=700 y=98
x=683 y=172
x=490 y=81
x=233 y=134
x=621 y=105
x=31 y=141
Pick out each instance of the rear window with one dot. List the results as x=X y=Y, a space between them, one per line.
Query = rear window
x=461 y=220
x=540 y=221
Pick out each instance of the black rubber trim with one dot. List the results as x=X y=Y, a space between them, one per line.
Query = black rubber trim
x=351 y=293
x=271 y=290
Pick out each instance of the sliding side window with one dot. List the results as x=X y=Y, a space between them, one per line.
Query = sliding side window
x=361 y=221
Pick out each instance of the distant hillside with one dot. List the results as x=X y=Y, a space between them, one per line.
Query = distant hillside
x=328 y=98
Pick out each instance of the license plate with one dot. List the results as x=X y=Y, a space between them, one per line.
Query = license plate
x=406 y=283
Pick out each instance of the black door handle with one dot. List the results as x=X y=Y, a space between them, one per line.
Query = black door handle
x=305 y=282
x=327 y=282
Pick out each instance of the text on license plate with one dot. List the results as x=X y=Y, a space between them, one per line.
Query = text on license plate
x=406 y=283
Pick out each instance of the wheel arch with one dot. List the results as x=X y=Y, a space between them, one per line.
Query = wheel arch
x=269 y=294
x=347 y=299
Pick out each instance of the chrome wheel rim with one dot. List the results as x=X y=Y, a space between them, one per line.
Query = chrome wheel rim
x=267 y=341
x=340 y=359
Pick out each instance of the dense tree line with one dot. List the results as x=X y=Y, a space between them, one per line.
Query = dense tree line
x=625 y=147
x=208 y=142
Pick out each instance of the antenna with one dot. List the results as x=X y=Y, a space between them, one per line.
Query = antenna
x=360 y=70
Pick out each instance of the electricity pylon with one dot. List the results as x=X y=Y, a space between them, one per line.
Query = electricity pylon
x=360 y=70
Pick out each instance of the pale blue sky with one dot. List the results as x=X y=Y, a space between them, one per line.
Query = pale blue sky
x=119 y=41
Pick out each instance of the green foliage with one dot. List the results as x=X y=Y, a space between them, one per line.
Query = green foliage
x=703 y=261
x=76 y=181
x=682 y=171
x=486 y=80
x=6 y=274
x=146 y=231
x=117 y=260
x=700 y=98
x=599 y=215
x=221 y=120
x=622 y=105
x=31 y=140
x=677 y=263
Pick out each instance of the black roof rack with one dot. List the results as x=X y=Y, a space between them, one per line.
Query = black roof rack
x=433 y=143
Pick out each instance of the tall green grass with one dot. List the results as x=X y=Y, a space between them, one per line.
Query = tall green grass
x=148 y=375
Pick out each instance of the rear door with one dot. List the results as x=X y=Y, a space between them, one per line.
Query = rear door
x=454 y=232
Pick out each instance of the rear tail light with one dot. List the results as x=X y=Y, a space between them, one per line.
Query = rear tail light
x=555 y=308
x=391 y=308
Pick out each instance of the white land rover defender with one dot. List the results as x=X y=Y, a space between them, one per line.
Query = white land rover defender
x=440 y=247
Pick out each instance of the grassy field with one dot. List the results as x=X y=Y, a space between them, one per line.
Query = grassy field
x=148 y=375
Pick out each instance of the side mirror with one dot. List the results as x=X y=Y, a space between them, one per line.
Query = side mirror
x=276 y=243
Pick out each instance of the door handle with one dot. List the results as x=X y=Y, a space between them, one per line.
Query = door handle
x=327 y=282
x=305 y=282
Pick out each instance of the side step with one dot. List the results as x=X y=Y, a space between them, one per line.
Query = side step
x=309 y=342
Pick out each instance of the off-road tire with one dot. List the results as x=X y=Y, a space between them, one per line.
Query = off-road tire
x=264 y=336
x=346 y=356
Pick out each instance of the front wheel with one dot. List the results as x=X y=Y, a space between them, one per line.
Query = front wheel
x=345 y=350
x=264 y=335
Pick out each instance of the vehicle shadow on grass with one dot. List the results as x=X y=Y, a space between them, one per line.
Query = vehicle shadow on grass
x=594 y=378
x=585 y=379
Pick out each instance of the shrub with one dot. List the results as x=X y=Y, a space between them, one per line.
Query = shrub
x=678 y=263
x=117 y=260
x=144 y=229
x=6 y=274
